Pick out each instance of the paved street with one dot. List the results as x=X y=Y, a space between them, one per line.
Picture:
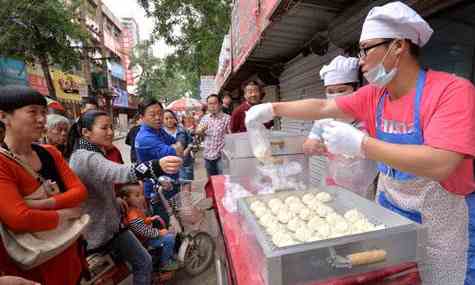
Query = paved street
x=208 y=277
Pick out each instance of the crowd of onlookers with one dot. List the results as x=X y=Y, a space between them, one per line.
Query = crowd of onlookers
x=79 y=158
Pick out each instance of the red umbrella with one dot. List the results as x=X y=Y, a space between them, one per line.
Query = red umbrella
x=185 y=104
x=54 y=105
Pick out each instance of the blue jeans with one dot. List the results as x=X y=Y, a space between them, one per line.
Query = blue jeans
x=131 y=250
x=214 y=167
x=167 y=243
x=186 y=172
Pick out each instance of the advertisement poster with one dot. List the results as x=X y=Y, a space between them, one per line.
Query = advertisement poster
x=68 y=87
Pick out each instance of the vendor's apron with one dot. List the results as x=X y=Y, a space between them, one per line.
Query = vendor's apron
x=449 y=260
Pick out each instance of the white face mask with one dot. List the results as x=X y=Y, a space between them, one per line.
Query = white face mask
x=378 y=75
x=334 y=95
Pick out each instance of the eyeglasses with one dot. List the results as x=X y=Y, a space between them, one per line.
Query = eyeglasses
x=364 y=51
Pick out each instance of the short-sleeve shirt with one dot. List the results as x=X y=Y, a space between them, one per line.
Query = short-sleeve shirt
x=447 y=119
x=218 y=126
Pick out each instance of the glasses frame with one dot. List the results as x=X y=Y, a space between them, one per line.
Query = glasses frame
x=364 y=51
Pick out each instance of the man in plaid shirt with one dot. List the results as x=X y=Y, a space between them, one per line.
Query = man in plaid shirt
x=213 y=126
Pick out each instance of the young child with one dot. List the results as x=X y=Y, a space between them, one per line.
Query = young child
x=142 y=226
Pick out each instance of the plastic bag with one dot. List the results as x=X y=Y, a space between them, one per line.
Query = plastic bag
x=260 y=143
x=234 y=192
x=189 y=214
x=354 y=174
x=283 y=176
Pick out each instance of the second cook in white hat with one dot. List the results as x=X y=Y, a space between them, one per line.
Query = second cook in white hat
x=341 y=78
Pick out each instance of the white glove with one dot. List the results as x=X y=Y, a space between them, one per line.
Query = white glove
x=317 y=129
x=343 y=138
x=259 y=114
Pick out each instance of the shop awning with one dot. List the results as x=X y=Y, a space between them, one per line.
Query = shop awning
x=299 y=26
x=290 y=27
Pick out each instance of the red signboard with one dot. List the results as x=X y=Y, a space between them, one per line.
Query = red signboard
x=36 y=79
x=249 y=20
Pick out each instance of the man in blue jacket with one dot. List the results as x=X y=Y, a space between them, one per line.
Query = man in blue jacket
x=152 y=142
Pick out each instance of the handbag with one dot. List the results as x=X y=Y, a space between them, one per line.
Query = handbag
x=28 y=250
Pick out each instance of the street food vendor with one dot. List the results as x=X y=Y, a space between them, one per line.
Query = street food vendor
x=421 y=132
x=340 y=78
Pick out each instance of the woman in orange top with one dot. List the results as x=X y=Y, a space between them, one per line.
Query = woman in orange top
x=23 y=111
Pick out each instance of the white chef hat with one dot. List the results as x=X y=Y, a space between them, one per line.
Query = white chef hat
x=340 y=70
x=396 y=20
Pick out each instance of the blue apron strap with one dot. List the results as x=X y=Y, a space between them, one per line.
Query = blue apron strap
x=388 y=204
x=379 y=110
x=383 y=168
x=417 y=128
x=470 y=272
x=417 y=102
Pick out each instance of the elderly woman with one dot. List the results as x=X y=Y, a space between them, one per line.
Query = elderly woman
x=23 y=111
x=93 y=136
x=57 y=128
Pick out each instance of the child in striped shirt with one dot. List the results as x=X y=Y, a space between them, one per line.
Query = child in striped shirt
x=142 y=226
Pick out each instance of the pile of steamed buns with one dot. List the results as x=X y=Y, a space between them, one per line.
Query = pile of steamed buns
x=293 y=220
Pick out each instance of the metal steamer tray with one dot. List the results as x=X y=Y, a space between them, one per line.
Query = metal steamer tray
x=401 y=241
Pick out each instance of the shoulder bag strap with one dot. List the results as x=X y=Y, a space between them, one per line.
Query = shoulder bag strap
x=23 y=164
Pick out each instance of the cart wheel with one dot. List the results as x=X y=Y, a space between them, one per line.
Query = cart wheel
x=200 y=254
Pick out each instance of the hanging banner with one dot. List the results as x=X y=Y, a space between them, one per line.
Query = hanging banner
x=207 y=86
x=121 y=98
x=12 y=72
x=36 y=78
x=116 y=69
x=68 y=87
x=224 y=64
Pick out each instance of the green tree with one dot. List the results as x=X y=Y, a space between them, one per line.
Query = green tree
x=43 y=31
x=195 y=28
x=157 y=77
